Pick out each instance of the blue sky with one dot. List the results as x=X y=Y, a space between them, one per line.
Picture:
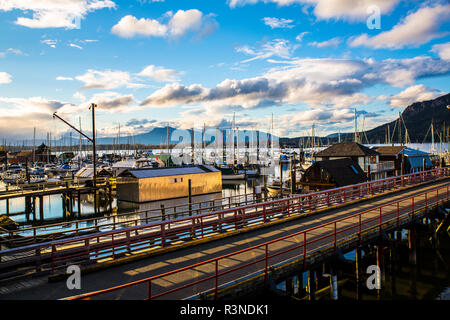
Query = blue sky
x=148 y=63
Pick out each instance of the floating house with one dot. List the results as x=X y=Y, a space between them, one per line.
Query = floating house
x=122 y=166
x=366 y=158
x=392 y=154
x=328 y=174
x=416 y=160
x=145 y=185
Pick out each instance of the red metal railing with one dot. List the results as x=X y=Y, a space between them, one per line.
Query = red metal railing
x=326 y=236
x=105 y=246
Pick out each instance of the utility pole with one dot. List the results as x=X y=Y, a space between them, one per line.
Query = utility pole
x=94 y=149
x=92 y=107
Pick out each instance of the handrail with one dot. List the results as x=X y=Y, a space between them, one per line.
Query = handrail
x=412 y=209
x=160 y=234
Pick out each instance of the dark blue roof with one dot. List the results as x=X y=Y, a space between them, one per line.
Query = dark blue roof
x=176 y=171
x=414 y=152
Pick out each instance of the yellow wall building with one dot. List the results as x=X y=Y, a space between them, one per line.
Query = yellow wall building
x=155 y=184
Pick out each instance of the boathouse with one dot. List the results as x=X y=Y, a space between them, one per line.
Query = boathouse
x=328 y=174
x=392 y=154
x=365 y=157
x=153 y=184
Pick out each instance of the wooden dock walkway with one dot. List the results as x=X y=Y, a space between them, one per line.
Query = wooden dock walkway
x=206 y=266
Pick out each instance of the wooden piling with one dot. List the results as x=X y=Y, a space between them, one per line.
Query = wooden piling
x=311 y=285
x=41 y=208
x=190 y=196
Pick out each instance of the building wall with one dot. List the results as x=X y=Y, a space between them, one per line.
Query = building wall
x=160 y=188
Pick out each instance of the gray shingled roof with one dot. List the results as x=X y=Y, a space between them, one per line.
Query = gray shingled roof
x=165 y=172
x=347 y=149
x=389 y=150
x=341 y=171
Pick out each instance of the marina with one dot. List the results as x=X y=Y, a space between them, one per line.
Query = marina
x=217 y=159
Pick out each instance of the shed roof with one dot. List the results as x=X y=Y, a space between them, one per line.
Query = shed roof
x=343 y=171
x=164 y=172
x=389 y=150
x=347 y=149
x=414 y=152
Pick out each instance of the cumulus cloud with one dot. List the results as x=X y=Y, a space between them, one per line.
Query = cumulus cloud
x=443 y=50
x=23 y=106
x=113 y=102
x=318 y=83
x=416 y=93
x=416 y=29
x=108 y=79
x=54 y=13
x=13 y=51
x=5 y=78
x=179 y=24
x=129 y=26
x=276 y=48
x=50 y=42
x=61 y=78
x=160 y=74
x=278 y=22
x=326 y=9
x=328 y=43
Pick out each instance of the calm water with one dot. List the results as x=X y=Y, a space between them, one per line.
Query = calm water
x=407 y=274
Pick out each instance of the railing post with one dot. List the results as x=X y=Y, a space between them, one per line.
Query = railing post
x=266 y=278
x=216 y=280
x=304 y=249
x=328 y=199
x=201 y=225
x=163 y=235
x=53 y=259
x=264 y=213
x=335 y=237
x=149 y=290
x=359 y=229
x=398 y=214
x=380 y=219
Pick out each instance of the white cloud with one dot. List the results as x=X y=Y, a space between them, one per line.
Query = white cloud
x=278 y=22
x=301 y=35
x=185 y=21
x=318 y=83
x=50 y=42
x=159 y=74
x=416 y=29
x=328 y=43
x=416 y=93
x=275 y=48
x=73 y=45
x=54 y=13
x=5 y=78
x=443 y=50
x=13 y=51
x=108 y=79
x=113 y=102
x=179 y=24
x=326 y=9
x=130 y=26
x=60 y=78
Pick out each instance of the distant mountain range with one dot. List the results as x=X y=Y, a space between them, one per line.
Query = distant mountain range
x=417 y=119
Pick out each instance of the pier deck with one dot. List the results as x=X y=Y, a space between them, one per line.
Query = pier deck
x=221 y=261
